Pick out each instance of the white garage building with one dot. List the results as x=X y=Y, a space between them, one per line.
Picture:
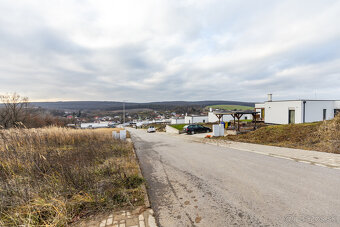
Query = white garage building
x=297 y=111
x=195 y=119
x=176 y=121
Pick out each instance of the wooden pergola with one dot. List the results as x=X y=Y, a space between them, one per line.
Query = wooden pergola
x=236 y=115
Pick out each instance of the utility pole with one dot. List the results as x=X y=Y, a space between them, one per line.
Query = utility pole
x=124 y=112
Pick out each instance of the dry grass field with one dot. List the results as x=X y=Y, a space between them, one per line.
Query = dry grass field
x=55 y=176
x=320 y=136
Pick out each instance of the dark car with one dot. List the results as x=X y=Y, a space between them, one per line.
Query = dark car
x=192 y=129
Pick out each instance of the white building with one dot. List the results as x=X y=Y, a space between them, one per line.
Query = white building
x=95 y=125
x=297 y=111
x=195 y=119
x=176 y=121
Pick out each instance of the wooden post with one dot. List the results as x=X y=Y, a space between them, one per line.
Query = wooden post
x=254 y=118
x=219 y=116
x=238 y=121
x=233 y=115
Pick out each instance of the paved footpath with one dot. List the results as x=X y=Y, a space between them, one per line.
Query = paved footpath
x=193 y=183
x=318 y=158
x=305 y=156
x=139 y=217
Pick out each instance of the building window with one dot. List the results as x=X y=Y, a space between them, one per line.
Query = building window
x=203 y=121
x=324 y=114
x=291 y=117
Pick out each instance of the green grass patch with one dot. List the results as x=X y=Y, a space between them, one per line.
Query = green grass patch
x=248 y=120
x=179 y=126
x=230 y=107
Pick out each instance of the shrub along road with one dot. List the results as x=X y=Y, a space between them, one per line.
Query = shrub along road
x=198 y=184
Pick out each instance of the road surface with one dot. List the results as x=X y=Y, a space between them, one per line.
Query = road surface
x=196 y=184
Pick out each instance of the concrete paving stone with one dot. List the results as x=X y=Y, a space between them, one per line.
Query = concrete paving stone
x=109 y=221
x=102 y=224
x=132 y=221
x=141 y=224
x=152 y=221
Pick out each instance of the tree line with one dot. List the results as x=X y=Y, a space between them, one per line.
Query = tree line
x=16 y=111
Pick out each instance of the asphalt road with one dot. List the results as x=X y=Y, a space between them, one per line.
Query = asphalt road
x=195 y=184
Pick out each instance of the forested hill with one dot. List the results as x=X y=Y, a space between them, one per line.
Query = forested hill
x=110 y=105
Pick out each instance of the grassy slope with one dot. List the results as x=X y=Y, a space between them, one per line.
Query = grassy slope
x=179 y=126
x=54 y=176
x=303 y=136
x=231 y=107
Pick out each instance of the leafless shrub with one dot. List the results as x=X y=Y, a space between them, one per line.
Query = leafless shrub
x=14 y=110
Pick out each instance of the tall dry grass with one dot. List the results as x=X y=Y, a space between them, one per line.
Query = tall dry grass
x=54 y=176
x=329 y=134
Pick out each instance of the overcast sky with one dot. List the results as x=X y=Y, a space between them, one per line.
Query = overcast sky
x=157 y=50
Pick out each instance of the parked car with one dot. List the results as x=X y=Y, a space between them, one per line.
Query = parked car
x=192 y=129
x=151 y=129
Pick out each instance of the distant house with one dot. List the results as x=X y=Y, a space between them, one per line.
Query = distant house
x=195 y=119
x=95 y=125
x=176 y=121
x=297 y=111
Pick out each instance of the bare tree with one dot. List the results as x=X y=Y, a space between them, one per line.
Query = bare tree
x=13 y=110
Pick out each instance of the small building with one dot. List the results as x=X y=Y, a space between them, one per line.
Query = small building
x=95 y=125
x=176 y=121
x=192 y=119
x=297 y=111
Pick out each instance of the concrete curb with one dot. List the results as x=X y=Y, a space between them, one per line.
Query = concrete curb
x=254 y=148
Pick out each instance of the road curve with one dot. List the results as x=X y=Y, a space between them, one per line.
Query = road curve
x=196 y=184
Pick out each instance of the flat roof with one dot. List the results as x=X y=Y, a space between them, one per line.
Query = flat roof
x=297 y=100
x=236 y=112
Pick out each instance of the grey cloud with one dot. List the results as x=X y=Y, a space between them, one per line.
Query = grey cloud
x=222 y=50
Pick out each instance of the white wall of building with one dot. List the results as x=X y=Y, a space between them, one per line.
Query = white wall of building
x=195 y=119
x=95 y=125
x=336 y=104
x=176 y=121
x=278 y=112
x=314 y=110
